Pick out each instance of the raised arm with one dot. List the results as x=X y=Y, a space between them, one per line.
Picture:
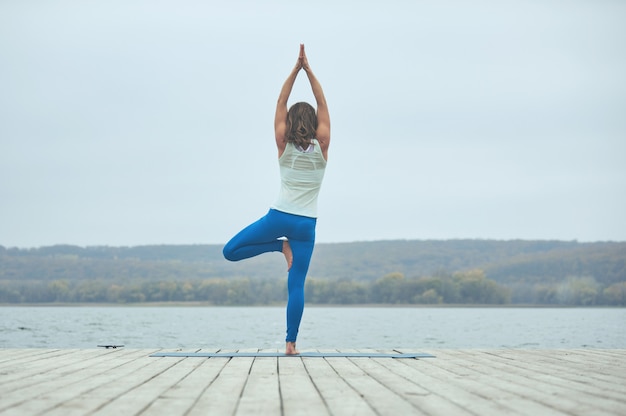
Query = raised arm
x=322 y=134
x=280 y=118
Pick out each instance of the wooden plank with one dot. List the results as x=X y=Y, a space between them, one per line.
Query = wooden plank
x=477 y=395
x=578 y=376
x=557 y=386
x=429 y=400
x=298 y=392
x=459 y=382
x=183 y=396
x=74 y=388
x=340 y=398
x=25 y=366
x=402 y=387
x=469 y=394
x=608 y=370
x=261 y=394
x=146 y=386
x=48 y=375
x=377 y=395
x=14 y=354
x=221 y=397
x=404 y=381
x=41 y=359
x=92 y=394
x=524 y=390
x=593 y=356
x=95 y=390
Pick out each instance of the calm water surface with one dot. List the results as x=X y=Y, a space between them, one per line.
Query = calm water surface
x=322 y=327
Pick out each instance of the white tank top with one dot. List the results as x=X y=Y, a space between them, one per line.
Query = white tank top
x=301 y=175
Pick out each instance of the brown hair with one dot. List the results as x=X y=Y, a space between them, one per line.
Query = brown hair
x=301 y=124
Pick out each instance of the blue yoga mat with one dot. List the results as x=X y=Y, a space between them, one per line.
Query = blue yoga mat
x=302 y=354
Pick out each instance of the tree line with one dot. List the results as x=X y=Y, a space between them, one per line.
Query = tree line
x=401 y=271
x=470 y=287
x=502 y=261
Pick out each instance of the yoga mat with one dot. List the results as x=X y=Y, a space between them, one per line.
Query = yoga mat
x=302 y=354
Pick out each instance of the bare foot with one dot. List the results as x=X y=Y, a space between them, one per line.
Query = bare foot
x=290 y=349
x=288 y=254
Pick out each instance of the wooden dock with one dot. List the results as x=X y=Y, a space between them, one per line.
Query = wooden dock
x=125 y=382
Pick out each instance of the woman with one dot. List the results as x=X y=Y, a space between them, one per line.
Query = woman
x=302 y=138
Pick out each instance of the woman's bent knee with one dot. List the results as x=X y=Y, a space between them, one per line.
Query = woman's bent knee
x=228 y=253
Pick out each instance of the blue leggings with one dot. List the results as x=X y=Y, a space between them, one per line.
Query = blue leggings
x=263 y=236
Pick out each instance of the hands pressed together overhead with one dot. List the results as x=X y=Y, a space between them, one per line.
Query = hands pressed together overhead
x=303 y=62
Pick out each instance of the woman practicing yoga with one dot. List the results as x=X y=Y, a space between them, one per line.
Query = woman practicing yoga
x=302 y=138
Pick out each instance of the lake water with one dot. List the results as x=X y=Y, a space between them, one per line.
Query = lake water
x=322 y=327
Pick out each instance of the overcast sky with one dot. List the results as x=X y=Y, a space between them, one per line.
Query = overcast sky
x=128 y=122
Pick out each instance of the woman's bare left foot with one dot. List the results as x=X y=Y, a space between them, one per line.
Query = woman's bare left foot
x=288 y=254
x=290 y=349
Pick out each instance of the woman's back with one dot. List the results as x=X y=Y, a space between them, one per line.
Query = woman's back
x=301 y=176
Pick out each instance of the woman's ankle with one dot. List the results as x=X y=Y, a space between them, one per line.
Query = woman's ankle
x=290 y=348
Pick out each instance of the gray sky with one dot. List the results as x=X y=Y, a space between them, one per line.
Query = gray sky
x=132 y=122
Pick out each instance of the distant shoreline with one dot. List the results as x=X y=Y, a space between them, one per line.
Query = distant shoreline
x=310 y=305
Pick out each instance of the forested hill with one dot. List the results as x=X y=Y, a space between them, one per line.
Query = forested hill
x=522 y=266
x=505 y=261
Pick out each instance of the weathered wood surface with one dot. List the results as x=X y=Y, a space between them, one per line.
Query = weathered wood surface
x=457 y=382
